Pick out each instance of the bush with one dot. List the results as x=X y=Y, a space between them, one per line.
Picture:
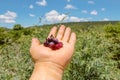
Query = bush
x=113 y=36
x=27 y=32
x=112 y=30
x=17 y=27
x=3 y=34
x=2 y=40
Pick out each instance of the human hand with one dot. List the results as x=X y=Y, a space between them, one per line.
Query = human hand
x=60 y=57
x=50 y=64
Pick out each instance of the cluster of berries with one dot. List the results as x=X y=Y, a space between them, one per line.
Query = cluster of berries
x=53 y=43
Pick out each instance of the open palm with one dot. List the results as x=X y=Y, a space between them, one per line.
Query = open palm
x=62 y=56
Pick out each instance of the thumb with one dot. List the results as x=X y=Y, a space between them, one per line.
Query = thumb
x=35 y=42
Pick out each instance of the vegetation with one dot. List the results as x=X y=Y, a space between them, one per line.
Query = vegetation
x=97 y=54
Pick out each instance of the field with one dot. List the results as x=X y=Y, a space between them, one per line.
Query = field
x=96 y=57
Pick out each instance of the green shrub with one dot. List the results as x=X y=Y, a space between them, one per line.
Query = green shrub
x=2 y=40
x=112 y=30
x=3 y=34
x=17 y=27
x=27 y=32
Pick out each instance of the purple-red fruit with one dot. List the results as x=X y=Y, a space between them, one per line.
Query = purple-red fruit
x=46 y=44
x=59 y=45
x=53 y=43
x=53 y=47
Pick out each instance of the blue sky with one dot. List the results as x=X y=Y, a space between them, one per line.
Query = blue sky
x=34 y=12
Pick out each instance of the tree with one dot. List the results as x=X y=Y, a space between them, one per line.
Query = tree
x=17 y=27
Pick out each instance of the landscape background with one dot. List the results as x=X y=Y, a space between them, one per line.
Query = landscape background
x=96 y=56
x=96 y=23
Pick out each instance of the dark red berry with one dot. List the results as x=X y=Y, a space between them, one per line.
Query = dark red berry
x=53 y=43
x=57 y=46
x=60 y=44
x=46 y=44
x=53 y=47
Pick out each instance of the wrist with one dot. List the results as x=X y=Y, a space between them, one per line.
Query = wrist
x=47 y=71
x=50 y=66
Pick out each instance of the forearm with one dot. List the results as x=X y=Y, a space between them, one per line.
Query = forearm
x=47 y=71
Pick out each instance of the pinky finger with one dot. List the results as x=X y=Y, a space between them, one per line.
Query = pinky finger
x=72 y=40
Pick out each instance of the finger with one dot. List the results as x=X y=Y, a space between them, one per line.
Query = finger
x=72 y=40
x=53 y=31
x=35 y=42
x=67 y=34
x=60 y=32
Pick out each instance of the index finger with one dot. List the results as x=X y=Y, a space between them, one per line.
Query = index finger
x=53 y=31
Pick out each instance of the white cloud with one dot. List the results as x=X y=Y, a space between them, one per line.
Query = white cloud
x=91 y=2
x=84 y=11
x=105 y=19
x=74 y=19
x=69 y=6
x=8 y=17
x=94 y=12
x=42 y=3
x=103 y=9
x=31 y=15
x=31 y=6
x=77 y=19
x=53 y=16
x=85 y=19
x=68 y=0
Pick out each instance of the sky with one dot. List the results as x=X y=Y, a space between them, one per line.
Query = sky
x=40 y=12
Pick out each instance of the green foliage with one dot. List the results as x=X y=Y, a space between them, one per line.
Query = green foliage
x=17 y=27
x=96 y=54
x=112 y=30
x=2 y=29
x=1 y=40
x=27 y=32
x=91 y=60
x=3 y=32
x=113 y=34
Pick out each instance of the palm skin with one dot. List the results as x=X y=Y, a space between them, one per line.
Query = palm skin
x=60 y=57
